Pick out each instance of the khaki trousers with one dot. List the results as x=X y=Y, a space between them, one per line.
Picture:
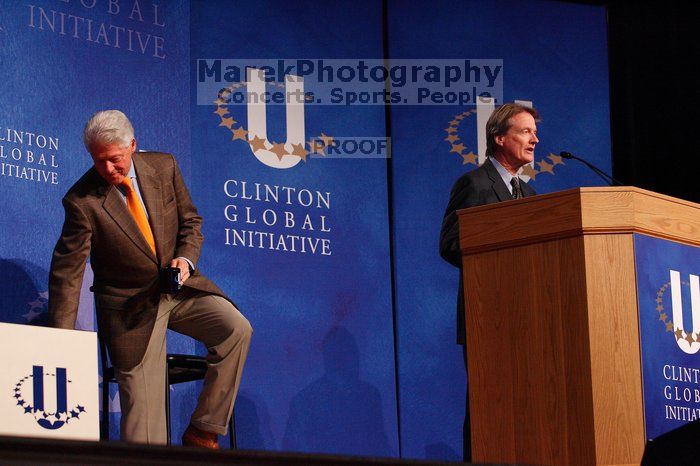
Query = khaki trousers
x=224 y=331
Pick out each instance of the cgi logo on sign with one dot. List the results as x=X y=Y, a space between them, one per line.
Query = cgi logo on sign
x=340 y=82
x=31 y=398
x=688 y=341
x=279 y=155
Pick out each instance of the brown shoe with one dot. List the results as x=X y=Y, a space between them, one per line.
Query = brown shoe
x=194 y=437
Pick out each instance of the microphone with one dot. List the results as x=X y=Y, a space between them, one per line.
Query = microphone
x=607 y=178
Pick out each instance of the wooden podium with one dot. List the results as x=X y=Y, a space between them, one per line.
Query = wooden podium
x=552 y=325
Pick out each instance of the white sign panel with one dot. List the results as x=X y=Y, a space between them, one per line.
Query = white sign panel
x=48 y=383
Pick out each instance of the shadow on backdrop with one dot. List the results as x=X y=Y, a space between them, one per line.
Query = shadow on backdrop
x=21 y=300
x=252 y=423
x=338 y=413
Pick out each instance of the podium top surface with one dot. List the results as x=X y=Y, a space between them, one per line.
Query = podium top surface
x=579 y=211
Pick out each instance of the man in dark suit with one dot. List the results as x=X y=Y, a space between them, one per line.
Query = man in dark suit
x=132 y=214
x=511 y=137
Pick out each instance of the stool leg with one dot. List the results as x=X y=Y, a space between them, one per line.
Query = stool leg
x=104 y=425
x=167 y=404
x=232 y=431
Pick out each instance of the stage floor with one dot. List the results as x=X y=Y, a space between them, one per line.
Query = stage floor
x=17 y=450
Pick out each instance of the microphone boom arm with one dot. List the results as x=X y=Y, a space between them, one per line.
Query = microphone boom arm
x=607 y=178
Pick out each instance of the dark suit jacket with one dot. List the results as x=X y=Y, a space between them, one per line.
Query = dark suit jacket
x=126 y=286
x=476 y=187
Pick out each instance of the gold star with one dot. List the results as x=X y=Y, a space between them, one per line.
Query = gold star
x=278 y=150
x=221 y=111
x=220 y=101
x=458 y=148
x=451 y=129
x=227 y=122
x=556 y=159
x=327 y=140
x=658 y=300
x=298 y=149
x=452 y=138
x=679 y=334
x=659 y=308
x=454 y=122
x=662 y=317
x=529 y=171
x=669 y=326
x=469 y=158
x=459 y=117
x=256 y=143
x=545 y=167
x=689 y=338
x=239 y=133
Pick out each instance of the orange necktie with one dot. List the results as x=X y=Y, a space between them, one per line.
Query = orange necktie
x=136 y=209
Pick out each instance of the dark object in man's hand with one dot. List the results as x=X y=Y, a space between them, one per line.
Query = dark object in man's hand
x=170 y=280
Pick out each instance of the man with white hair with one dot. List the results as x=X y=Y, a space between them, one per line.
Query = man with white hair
x=132 y=214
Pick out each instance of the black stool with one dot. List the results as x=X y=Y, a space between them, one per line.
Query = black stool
x=180 y=368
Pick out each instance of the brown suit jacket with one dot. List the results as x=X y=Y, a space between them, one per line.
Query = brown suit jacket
x=126 y=285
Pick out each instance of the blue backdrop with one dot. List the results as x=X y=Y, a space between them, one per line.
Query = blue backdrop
x=554 y=56
x=322 y=373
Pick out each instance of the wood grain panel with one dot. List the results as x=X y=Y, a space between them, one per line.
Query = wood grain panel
x=615 y=353
x=579 y=211
x=528 y=343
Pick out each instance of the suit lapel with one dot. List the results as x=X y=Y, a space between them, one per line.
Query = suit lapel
x=151 y=193
x=497 y=184
x=116 y=208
